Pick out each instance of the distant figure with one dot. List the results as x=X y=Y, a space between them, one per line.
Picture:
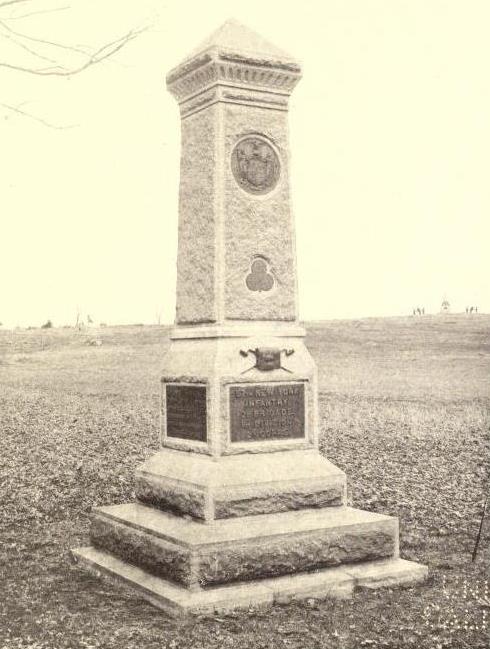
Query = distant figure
x=476 y=309
x=466 y=309
x=418 y=310
x=445 y=306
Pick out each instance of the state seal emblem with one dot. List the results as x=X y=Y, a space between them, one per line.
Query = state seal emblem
x=255 y=165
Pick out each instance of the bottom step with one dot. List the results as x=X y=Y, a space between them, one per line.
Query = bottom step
x=337 y=583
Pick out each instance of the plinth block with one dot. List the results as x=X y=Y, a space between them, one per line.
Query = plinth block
x=197 y=555
x=208 y=488
x=335 y=583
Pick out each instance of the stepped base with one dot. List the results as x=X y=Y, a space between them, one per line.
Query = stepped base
x=199 y=555
x=175 y=600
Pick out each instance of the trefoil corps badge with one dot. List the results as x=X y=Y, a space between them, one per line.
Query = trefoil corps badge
x=255 y=165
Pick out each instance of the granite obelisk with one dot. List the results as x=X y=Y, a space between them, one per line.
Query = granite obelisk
x=239 y=507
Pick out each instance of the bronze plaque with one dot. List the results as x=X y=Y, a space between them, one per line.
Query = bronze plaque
x=255 y=165
x=264 y=412
x=186 y=412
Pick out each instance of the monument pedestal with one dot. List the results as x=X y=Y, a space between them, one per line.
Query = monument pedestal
x=238 y=507
x=185 y=566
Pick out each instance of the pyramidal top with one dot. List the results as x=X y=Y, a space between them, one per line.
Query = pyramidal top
x=233 y=36
x=233 y=55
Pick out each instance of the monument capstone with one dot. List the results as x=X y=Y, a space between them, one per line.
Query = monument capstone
x=238 y=507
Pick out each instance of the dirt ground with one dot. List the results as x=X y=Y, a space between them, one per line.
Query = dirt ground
x=404 y=410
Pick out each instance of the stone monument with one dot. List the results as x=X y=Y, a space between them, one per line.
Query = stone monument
x=238 y=507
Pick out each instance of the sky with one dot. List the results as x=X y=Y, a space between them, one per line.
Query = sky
x=390 y=155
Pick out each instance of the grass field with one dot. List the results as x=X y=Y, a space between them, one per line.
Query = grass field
x=404 y=409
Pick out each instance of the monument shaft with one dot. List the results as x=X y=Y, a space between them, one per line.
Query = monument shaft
x=225 y=225
x=234 y=191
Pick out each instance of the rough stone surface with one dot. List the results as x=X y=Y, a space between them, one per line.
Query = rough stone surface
x=255 y=547
x=218 y=241
x=291 y=554
x=170 y=496
x=232 y=531
x=258 y=225
x=235 y=486
x=197 y=291
x=268 y=503
x=157 y=556
x=172 y=598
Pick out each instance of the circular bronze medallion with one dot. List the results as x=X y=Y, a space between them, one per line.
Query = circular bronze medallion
x=255 y=165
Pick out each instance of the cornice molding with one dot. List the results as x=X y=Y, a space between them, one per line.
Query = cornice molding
x=229 y=68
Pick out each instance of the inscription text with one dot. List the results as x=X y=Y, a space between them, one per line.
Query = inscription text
x=265 y=412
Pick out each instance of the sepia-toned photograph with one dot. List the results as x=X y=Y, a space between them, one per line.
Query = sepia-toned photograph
x=244 y=324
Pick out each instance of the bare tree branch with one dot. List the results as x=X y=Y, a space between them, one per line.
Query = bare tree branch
x=44 y=42
x=28 y=49
x=99 y=55
x=11 y=2
x=41 y=11
x=40 y=49
x=52 y=67
x=16 y=109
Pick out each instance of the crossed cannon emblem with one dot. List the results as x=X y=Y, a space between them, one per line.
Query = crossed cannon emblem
x=267 y=358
